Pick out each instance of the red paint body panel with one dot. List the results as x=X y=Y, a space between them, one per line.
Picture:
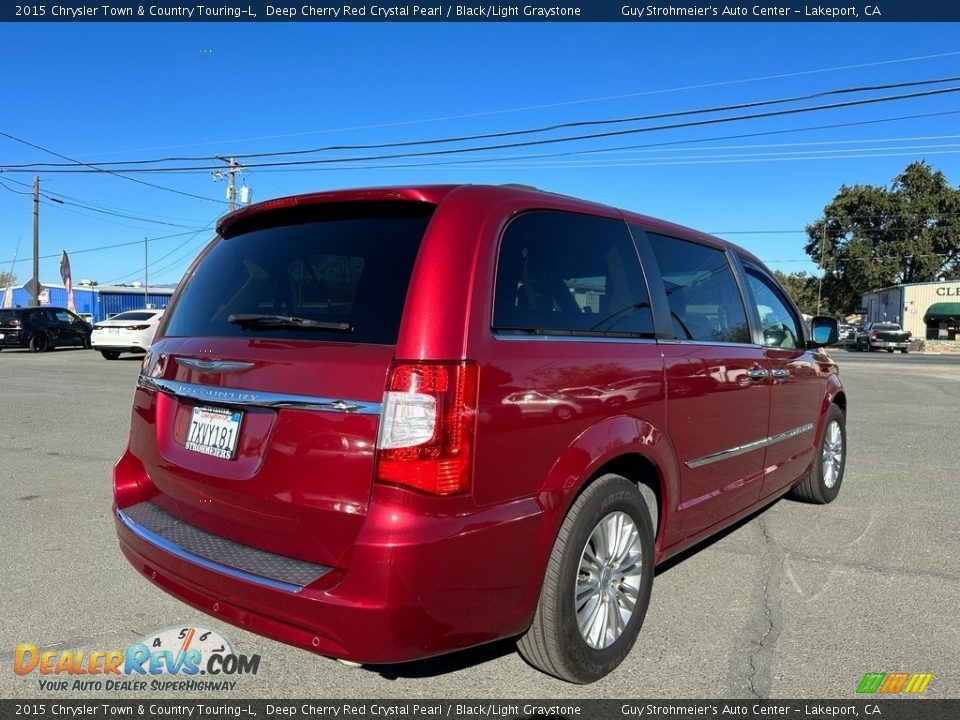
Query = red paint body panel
x=414 y=575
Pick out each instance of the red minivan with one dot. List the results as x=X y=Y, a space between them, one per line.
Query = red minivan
x=386 y=424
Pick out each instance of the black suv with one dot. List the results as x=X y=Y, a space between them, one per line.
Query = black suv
x=42 y=328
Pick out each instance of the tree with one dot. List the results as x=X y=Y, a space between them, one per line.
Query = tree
x=872 y=237
x=803 y=289
x=7 y=278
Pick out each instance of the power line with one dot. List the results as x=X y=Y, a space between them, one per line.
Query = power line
x=95 y=205
x=109 y=172
x=514 y=133
x=544 y=141
x=109 y=247
x=582 y=101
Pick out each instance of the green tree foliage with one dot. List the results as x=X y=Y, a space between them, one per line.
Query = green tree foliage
x=803 y=289
x=872 y=237
x=7 y=278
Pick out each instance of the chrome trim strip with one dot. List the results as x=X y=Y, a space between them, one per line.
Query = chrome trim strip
x=749 y=447
x=575 y=338
x=213 y=366
x=257 y=398
x=183 y=554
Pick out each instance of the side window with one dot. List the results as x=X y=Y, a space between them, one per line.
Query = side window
x=704 y=299
x=64 y=317
x=777 y=320
x=571 y=274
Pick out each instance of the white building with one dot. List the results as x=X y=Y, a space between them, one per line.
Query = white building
x=929 y=310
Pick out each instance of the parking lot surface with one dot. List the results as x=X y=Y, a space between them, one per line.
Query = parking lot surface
x=799 y=601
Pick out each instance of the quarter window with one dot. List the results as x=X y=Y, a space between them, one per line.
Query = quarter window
x=565 y=273
x=704 y=300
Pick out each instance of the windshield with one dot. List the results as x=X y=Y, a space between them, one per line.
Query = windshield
x=343 y=277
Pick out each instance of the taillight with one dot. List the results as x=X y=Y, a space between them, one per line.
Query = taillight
x=98 y=327
x=873 y=334
x=13 y=323
x=909 y=334
x=427 y=426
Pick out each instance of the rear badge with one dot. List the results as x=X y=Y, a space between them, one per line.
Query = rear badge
x=214 y=431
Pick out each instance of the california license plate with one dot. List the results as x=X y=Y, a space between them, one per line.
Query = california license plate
x=214 y=431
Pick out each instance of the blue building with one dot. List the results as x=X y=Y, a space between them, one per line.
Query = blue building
x=101 y=301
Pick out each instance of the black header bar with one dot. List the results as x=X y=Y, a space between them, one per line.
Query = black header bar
x=625 y=11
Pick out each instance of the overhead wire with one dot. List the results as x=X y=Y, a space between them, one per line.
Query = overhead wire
x=541 y=141
x=109 y=172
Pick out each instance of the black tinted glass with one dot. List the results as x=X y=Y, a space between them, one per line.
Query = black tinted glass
x=349 y=271
x=571 y=273
x=704 y=299
x=134 y=316
x=777 y=321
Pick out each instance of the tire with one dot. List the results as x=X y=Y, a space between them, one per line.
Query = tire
x=86 y=342
x=905 y=351
x=563 y=413
x=822 y=485
x=554 y=643
x=889 y=350
x=110 y=354
x=39 y=343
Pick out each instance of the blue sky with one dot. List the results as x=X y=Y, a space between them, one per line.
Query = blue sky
x=140 y=91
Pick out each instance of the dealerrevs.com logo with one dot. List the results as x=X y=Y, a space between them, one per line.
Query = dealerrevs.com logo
x=184 y=658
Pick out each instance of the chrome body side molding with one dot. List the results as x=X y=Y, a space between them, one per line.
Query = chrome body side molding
x=749 y=447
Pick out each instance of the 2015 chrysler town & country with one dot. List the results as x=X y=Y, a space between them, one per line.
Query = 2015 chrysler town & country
x=385 y=424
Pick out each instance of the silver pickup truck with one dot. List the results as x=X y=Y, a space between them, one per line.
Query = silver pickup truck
x=884 y=336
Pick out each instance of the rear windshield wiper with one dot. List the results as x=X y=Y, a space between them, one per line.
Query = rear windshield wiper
x=254 y=321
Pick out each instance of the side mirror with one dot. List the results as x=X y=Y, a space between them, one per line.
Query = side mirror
x=824 y=331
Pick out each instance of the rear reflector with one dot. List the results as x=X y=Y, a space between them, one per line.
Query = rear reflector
x=427 y=427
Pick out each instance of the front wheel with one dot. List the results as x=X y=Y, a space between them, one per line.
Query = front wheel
x=597 y=585
x=822 y=485
x=904 y=350
x=110 y=354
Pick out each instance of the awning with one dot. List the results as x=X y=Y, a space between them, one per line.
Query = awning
x=942 y=311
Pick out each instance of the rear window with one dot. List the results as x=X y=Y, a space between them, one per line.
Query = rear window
x=886 y=326
x=342 y=275
x=137 y=315
x=8 y=315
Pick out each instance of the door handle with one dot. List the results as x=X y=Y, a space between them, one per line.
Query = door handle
x=780 y=373
x=757 y=373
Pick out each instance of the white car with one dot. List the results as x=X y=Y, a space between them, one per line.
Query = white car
x=129 y=332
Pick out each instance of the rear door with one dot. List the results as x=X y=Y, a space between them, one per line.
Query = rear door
x=258 y=410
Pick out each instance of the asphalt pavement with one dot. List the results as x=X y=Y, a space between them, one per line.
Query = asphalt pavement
x=799 y=601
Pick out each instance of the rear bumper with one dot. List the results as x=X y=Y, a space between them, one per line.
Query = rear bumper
x=119 y=348
x=20 y=340
x=416 y=586
x=886 y=344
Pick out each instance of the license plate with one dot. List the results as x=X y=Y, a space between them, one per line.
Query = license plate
x=214 y=431
x=113 y=330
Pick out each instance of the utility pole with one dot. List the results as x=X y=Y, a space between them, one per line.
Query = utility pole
x=823 y=238
x=146 y=276
x=231 y=175
x=36 y=241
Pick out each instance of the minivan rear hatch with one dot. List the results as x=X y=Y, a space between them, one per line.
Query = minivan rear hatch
x=257 y=410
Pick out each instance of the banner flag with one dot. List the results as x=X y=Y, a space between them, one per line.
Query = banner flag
x=67 y=280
